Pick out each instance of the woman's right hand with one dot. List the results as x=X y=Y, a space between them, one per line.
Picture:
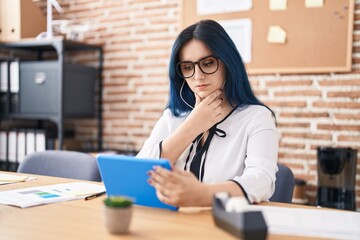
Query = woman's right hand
x=205 y=114
x=207 y=111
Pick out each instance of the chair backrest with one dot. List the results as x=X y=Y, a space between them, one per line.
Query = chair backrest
x=284 y=185
x=66 y=164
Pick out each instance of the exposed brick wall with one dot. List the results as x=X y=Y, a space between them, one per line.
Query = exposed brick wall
x=312 y=110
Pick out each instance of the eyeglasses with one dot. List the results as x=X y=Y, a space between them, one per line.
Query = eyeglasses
x=207 y=65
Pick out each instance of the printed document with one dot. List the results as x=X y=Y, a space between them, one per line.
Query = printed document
x=27 y=197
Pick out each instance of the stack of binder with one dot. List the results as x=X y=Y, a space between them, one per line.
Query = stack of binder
x=17 y=143
x=9 y=86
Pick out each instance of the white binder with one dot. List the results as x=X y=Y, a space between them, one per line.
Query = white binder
x=21 y=146
x=30 y=142
x=12 y=146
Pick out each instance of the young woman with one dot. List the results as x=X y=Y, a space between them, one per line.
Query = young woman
x=216 y=133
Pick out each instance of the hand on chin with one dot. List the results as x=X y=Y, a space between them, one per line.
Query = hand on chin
x=204 y=94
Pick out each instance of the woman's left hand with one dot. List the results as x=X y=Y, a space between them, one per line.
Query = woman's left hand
x=177 y=187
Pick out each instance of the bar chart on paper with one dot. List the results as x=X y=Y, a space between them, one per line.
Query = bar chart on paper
x=33 y=196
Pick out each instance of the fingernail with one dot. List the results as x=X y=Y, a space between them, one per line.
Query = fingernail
x=149 y=173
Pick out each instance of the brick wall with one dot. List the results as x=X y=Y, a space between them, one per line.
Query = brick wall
x=312 y=110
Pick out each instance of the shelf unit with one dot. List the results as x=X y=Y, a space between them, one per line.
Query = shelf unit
x=40 y=50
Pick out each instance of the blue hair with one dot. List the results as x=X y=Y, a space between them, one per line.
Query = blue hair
x=237 y=87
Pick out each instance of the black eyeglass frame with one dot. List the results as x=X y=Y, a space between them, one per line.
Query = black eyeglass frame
x=178 y=70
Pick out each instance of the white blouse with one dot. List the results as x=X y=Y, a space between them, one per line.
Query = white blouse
x=247 y=154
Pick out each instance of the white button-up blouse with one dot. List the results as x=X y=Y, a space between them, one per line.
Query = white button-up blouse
x=247 y=154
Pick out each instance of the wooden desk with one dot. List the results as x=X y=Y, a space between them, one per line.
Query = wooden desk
x=81 y=219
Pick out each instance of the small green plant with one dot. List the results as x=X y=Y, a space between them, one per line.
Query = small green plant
x=118 y=202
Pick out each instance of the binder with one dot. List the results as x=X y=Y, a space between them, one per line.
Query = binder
x=14 y=86
x=30 y=141
x=12 y=151
x=3 y=76
x=40 y=141
x=21 y=145
x=12 y=142
x=3 y=145
x=4 y=105
x=3 y=150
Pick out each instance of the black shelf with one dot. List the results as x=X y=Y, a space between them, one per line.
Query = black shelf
x=60 y=47
x=50 y=44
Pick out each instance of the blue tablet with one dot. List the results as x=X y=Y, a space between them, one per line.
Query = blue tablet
x=127 y=176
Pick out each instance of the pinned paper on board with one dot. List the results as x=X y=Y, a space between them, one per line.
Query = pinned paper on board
x=314 y=3
x=278 y=5
x=240 y=31
x=276 y=35
x=206 y=7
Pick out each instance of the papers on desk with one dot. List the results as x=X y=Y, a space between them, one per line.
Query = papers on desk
x=8 y=178
x=331 y=224
x=27 y=197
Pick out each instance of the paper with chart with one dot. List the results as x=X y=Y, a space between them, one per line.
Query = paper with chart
x=27 y=197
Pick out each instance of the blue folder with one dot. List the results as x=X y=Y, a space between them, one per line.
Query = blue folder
x=127 y=176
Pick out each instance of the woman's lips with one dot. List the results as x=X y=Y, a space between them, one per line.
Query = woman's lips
x=202 y=86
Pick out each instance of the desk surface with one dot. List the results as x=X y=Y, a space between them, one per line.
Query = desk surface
x=81 y=219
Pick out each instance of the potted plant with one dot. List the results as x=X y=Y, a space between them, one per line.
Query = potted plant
x=117 y=213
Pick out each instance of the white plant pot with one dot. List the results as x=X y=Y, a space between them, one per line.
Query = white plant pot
x=117 y=220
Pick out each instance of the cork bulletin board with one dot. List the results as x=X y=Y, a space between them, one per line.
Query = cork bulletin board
x=318 y=40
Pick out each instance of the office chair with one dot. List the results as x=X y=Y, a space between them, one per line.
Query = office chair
x=284 y=185
x=66 y=164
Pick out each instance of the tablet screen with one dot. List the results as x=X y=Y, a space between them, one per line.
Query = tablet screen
x=127 y=176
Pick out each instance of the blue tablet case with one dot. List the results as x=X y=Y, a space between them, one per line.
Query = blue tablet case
x=127 y=176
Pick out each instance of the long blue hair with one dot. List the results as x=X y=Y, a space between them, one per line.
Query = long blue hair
x=237 y=87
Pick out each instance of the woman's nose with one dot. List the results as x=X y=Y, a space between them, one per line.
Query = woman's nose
x=199 y=75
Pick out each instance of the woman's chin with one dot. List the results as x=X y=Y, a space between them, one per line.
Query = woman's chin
x=202 y=95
